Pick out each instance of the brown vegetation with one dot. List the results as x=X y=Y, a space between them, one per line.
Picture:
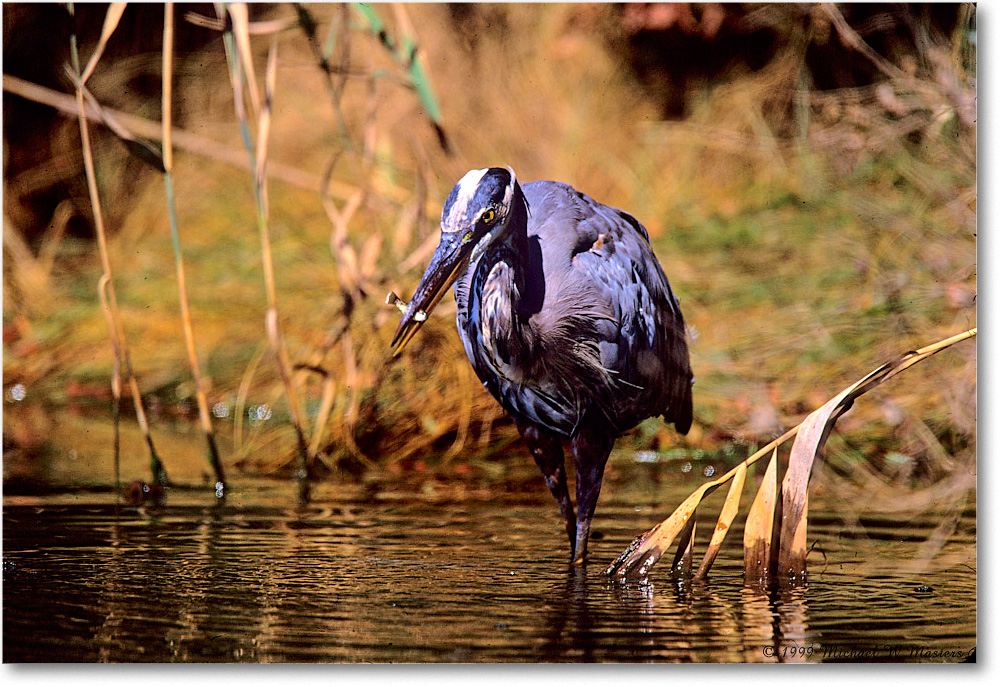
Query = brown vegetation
x=812 y=223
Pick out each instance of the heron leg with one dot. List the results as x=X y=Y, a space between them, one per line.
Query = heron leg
x=591 y=447
x=546 y=449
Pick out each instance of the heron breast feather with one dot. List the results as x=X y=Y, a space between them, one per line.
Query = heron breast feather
x=495 y=322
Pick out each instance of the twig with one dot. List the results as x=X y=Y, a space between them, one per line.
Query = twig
x=201 y=145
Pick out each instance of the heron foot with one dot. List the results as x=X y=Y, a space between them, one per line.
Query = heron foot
x=579 y=546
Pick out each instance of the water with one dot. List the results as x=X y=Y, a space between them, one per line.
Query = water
x=453 y=570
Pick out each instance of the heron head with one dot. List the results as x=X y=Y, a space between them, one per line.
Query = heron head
x=476 y=213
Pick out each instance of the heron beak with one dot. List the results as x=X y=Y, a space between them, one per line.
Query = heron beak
x=446 y=265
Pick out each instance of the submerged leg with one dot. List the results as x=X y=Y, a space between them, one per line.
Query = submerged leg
x=591 y=447
x=546 y=449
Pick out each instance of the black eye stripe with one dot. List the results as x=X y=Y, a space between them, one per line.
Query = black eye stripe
x=477 y=232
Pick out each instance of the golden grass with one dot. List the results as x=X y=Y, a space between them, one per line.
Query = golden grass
x=168 y=165
x=119 y=341
x=795 y=250
x=242 y=73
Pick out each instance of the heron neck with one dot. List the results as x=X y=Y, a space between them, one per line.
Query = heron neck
x=517 y=242
x=502 y=288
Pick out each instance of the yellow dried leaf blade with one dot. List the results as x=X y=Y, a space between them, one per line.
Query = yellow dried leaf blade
x=111 y=19
x=812 y=436
x=759 y=537
x=759 y=527
x=915 y=357
x=264 y=122
x=685 y=546
x=810 y=440
x=241 y=32
x=646 y=550
x=729 y=510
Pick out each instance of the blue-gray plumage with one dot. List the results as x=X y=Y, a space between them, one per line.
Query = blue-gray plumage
x=567 y=318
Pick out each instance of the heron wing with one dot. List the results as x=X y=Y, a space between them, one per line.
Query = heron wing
x=599 y=262
x=598 y=321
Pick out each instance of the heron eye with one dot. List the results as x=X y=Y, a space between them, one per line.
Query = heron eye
x=489 y=216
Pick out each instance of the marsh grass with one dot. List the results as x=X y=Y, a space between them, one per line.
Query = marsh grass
x=803 y=231
x=204 y=417
x=119 y=342
x=244 y=81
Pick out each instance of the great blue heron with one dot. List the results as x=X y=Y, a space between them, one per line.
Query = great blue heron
x=567 y=318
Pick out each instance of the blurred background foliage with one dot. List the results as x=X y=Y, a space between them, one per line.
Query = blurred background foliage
x=807 y=174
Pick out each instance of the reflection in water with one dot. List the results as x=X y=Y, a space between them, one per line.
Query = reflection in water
x=407 y=580
x=685 y=621
x=775 y=626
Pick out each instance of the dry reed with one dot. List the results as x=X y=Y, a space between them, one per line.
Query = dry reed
x=778 y=553
x=204 y=416
x=240 y=57
x=118 y=338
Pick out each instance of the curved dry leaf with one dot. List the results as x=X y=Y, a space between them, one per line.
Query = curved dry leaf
x=812 y=436
x=646 y=549
x=111 y=19
x=685 y=547
x=759 y=528
x=729 y=510
x=758 y=538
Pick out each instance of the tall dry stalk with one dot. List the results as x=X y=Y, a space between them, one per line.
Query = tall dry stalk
x=356 y=269
x=118 y=340
x=168 y=165
x=116 y=380
x=236 y=40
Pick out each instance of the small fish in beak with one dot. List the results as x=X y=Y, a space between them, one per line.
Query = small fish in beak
x=392 y=299
x=447 y=264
